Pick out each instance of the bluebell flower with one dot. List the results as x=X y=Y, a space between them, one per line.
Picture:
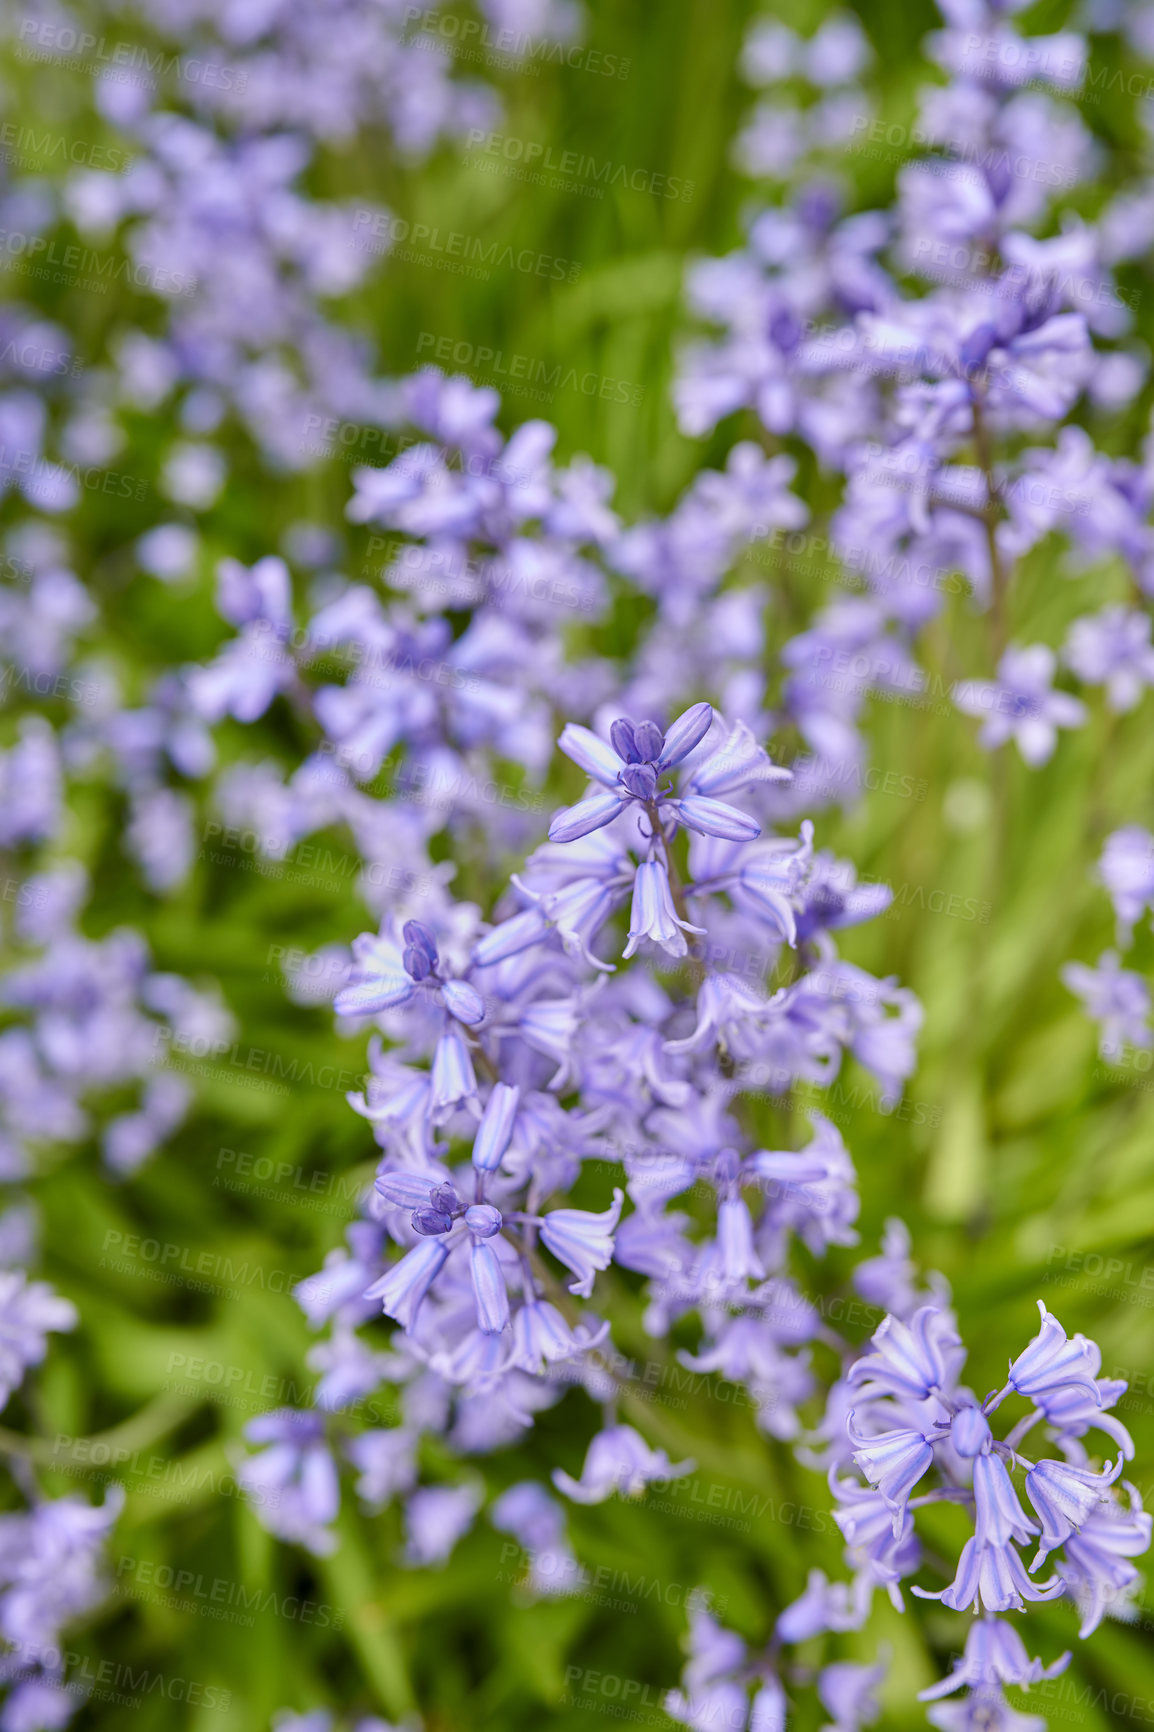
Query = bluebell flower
x=653 y=915
x=436 y=1518
x=1064 y=1496
x=402 y=1290
x=631 y=764
x=1117 y=999
x=1096 y=1569
x=824 y=1605
x=894 y=1462
x=847 y=1691
x=1112 y=648
x=993 y=1578
x=489 y=1290
x=994 y=1655
x=496 y=1127
x=1021 y=704
x=388 y=973
x=915 y=1359
x=1126 y=868
x=618 y=1460
x=582 y=1240
x=541 y=1337
x=29 y=1311
x=294 y=1478
x=1054 y=1363
x=998 y=1516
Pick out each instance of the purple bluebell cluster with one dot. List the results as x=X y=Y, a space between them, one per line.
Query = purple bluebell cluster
x=944 y=411
x=902 y=1433
x=520 y=1054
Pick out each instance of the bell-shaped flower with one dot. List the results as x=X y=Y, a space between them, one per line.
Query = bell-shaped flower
x=541 y=1337
x=1021 y=704
x=914 y=1359
x=825 y=1605
x=436 y=1517
x=739 y=1260
x=496 y=1127
x=1064 y=1496
x=714 y=818
x=618 y=1460
x=999 y=1517
x=28 y=1311
x=489 y=1291
x=873 y=1547
x=846 y=1690
x=402 y=1290
x=1053 y=1363
x=653 y=915
x=576 y=821
x=735 y=762
x=1096 y=1570
x=582 y=1240
x=379 y=980
x=994 y=1655
x=894 y=1462
x=994 y=1578
x=453 y=1081
x=294 y=1480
